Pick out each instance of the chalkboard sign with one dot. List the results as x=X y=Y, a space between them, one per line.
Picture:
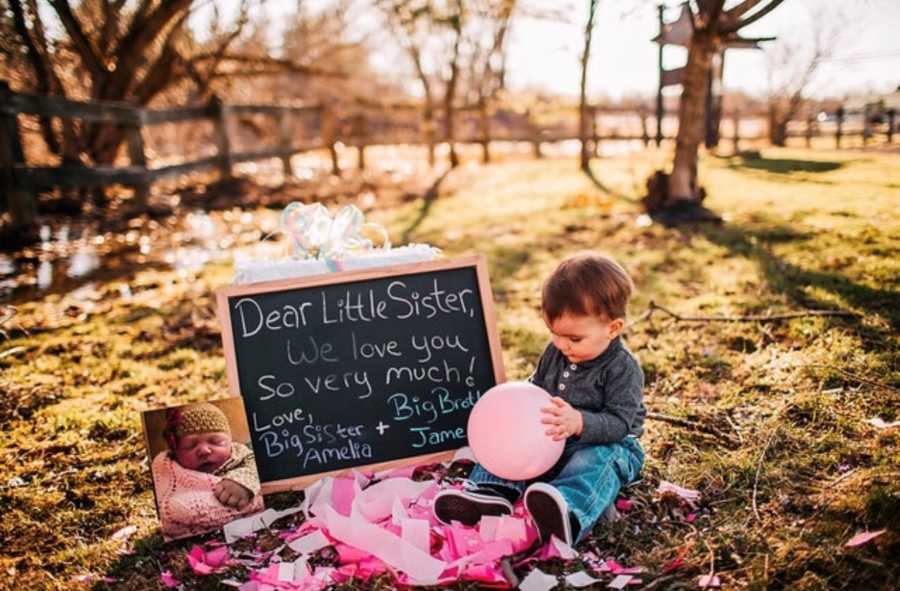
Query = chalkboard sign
x=360 y=369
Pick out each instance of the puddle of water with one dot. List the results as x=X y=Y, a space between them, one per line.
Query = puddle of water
x=6 y=265
x=83 y=262
x=71 y=255
x=44 y=275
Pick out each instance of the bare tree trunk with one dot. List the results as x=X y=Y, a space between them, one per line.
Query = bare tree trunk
x=777 y=127
x=450 y=91
x=583 y=110
x=429 y=130
x=683 y=181
x=676 y=197
x=449 y=117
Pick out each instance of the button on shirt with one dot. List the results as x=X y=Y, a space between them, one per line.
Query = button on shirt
x=608 y=390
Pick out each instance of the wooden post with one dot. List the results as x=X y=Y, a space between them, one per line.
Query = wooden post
x=736 y=130
x=645 y=134
x=20 y=203
x=867 y=130
x=328 y=130
x=218 y=111
x=809 y=130
x=484 y=112
x=535 y=133
x=891 y=113
x=839 y=114
x=360 y=132
x=660 y=9
x=428 y=130
x=136 y=154
x=284 y=136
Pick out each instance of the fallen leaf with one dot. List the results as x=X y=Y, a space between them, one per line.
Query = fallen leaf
x=879 y=423
x=124 y=533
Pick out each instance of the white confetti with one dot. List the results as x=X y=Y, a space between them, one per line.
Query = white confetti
x=309 y=543
x=581 y=579
x=538 y=580
x=620 y=582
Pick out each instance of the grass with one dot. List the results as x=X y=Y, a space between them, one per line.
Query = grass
x=804 y=229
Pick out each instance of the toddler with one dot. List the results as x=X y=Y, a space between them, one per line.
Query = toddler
x=597 y=407
x=204 y=479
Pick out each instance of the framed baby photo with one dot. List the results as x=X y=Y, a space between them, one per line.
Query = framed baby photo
x=202 y=465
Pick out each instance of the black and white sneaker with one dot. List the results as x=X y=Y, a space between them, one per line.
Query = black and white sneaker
x=469 y=505
x=550 y=512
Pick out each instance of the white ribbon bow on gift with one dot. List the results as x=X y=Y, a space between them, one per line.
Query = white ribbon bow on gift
x=313 y=233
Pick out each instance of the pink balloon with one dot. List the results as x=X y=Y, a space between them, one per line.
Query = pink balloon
x=506 y=434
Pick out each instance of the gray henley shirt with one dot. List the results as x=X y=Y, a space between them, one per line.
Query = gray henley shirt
x=608 y=390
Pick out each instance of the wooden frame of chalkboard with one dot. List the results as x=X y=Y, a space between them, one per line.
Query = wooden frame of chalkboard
x=456 y=328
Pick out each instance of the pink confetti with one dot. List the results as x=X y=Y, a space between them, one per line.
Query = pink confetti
x=514 y=529
x=377 y=501
x=489 y=574
x=205 y=563
x=707 y=581
x=611 y=566
x=556 y=548
x=673 y=565
x=416 y=532
x=624 y=505
x=402 y=472
x=384 y=545
x=388 y=526
x=691 y=517
x=168 y=579
x=487 y=527
x=863 y=538
x=343 y=492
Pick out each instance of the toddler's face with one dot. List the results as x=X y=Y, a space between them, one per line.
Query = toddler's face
x=581 y=338
x=204 y=452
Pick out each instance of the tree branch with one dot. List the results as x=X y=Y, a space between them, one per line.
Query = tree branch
x=162 y=71
x=734 y=27
x=285 y=64
x=84 y=46
x=131 y=49
x=692 y=425
x=652 y=307
x=741 y=9
x=203 y=82
x=44 y=76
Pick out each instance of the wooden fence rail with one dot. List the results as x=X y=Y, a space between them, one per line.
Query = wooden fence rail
x=353 y=125
x=867 y=129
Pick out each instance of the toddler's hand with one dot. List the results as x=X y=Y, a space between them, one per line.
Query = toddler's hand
x=232 y=494
x=565 y=420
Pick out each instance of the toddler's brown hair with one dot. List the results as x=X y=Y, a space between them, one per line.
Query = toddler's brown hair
x=586 y=284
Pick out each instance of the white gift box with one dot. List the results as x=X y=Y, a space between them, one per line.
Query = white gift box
x=256 y=270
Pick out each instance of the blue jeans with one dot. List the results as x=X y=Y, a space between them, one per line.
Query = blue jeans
x=588 y=476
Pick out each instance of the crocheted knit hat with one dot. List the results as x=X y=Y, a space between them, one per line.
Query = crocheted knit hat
x=202 y=417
